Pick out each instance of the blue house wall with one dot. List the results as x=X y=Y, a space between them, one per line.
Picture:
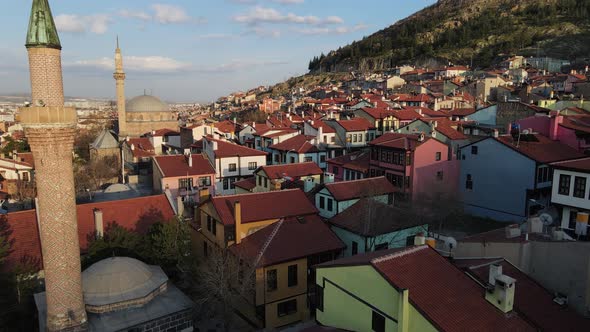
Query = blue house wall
x=485 y=116
x=501 y=177
x=397 y=239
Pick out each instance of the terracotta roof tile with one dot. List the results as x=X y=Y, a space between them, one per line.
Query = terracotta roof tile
x=173 y=166
x=136 y=214
x=226 y=149
x=264 y=206
x=291 y=170
x=295 y=238
x=582 y=165
x=398 y=141
x=459 y=303
x=356 y=124
x=532 y=301
x=247 y=184
x=358 y=161
x=299 y=143
x=164 y=132
x=142 y=147
x=347 y=190
x=542 y=149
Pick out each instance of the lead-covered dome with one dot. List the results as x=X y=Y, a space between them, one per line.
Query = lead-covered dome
x=146 y=104
x=121 y=282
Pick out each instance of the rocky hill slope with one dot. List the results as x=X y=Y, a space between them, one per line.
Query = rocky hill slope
x=466 y=31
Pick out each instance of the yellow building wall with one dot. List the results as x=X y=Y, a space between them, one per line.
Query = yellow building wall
x=341 y=310
x=283 y=293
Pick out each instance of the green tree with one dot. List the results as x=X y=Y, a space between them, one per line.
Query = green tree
x=15 y=145
x=169 y=244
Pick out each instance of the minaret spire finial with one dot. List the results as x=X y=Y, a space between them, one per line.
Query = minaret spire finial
x=42 y=30
x=117 y=41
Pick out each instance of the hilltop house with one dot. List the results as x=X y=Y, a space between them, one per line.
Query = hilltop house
x=298 y=149
x=333 y=198
x=232 y=162
x=352 y=166
x=305 y=176
x=523 y=165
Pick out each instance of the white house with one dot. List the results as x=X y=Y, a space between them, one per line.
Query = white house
x=231 y=162
x=335 y=197
x=571 y=192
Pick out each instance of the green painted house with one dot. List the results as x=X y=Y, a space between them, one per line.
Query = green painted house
x=413 y=289
x=370 y=225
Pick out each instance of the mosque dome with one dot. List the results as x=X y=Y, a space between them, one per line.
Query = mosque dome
x=146 y=104
x=117 y=188
x=121 y=282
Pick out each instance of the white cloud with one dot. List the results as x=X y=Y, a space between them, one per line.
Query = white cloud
x=289 y=2
x=166 y=14
x=217 y=36
x=153 y=64
x=126 y=13
x=330 y=31
x=237 y=65
x=270 y=15
x=97 y=24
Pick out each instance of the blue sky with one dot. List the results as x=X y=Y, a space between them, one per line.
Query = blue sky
x=191 y=50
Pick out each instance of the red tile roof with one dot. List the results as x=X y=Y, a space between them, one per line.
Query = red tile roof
x=142 y=147
x=264 y=206
x=542 y=150
x=444 y=126
x=406 y=115
x=347 y=190
x=299 y=143
x=26 y=158
x=325 y=128
x=136 y=214
x=226 y=126
x=462 y=111
x=531 y=300
x=582 y=165
x=425 y=111
x=226 y=149
x=173 y=166
x=378 y=113
x=358 y=161
x=246 y=184
x=291 y=170
x=398 y=141
x=577 y=122
x=164 y=132
x=356 y=124
x=295 y=238
x=443 y=294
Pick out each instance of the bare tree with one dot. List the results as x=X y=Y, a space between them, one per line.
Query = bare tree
x=93 y=174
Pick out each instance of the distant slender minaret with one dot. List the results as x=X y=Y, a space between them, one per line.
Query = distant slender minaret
x=119 y=76
x=50 y=129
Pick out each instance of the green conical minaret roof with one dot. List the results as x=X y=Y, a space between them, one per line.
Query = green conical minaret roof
x=42 y=31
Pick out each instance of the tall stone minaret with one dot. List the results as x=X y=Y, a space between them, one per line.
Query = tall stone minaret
x=119 y=76
x=50 y=128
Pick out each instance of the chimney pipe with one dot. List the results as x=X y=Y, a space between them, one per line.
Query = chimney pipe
x=98 y=223
x=238 y=221
x=190 y=160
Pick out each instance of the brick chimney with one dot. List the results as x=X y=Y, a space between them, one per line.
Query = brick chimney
x=554 y=126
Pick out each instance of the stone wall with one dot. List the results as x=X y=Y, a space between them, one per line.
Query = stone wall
x=177 y=322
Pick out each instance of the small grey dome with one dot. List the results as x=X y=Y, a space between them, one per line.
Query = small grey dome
x=117 y=188
x=120 y=279
x=146 y=104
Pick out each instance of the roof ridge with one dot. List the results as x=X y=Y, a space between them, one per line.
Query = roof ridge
x=259 y=193
x=402 y=253
x=358 y=180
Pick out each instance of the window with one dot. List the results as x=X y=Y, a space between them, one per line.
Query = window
x=333 y=139
x=564 y=184
x=355 y=248
x=225 y=184
x=204 y=181
x=209 y=223
x=330 y=204
x=292 y=275
x=335 y=170
x=252 y=166
x=325 y=139
x=260 y=181
x=205 y=249
x=469 y=183
x=271 y=280
x=439 y=175
x=378 y=322
x=474 y=149
x=319 y=298
x=543 y=174
x=185 y=183
x=232 y=167
x=292 y=160
x=26 y=176
x=355 y=138
x=265 y=182
x=349 y=138
x=381 y=246
x=579 y=187
x=322 y=202
x=322 y=158
x=308 y=159
x=438 y=156
x=287 y=308
x=277 y=158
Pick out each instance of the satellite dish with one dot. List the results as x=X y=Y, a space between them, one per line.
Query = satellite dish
x=546 y=219
x=526 y=132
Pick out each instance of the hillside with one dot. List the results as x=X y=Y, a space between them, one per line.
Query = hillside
x=470 y=30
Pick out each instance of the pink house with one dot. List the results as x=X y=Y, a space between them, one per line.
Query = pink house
x=414 y=164
x=572 y=130
x=184 y=176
